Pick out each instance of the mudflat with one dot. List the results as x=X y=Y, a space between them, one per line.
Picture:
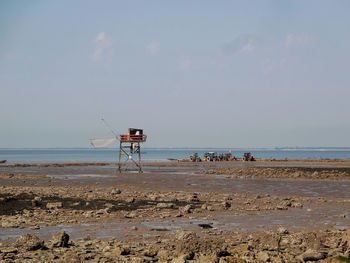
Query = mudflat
x=264 y=211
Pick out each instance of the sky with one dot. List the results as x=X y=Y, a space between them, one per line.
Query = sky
x=190 y=73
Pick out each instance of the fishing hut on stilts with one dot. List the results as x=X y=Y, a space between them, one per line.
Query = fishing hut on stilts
x=129 y=146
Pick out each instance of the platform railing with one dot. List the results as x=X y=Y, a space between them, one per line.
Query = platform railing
x=133 y=138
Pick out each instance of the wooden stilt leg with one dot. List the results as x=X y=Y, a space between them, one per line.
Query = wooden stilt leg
x=120 y=156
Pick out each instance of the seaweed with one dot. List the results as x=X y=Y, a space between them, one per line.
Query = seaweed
x=343 y=259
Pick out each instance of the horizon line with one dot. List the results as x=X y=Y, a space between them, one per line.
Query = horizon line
x=286 y=148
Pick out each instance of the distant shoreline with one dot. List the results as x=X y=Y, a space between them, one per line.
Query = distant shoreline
x=197 y=148
x=316 y=149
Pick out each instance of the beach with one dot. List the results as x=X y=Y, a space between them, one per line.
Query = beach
x=264 y=211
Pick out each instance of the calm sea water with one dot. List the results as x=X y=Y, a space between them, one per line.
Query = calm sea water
x=109 y=155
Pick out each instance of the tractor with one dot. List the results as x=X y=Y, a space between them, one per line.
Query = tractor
x=248 y=157
x=195 y=157
x=211 y=157
x=229 y=157
x=226 y=157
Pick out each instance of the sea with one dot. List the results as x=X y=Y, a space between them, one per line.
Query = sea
x=158 y=154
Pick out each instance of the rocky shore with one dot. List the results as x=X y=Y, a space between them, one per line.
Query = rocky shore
x=334 y=173
x=175 y=215
x=185 y=246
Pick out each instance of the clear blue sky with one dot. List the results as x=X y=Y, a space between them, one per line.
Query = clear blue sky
x=191 y=73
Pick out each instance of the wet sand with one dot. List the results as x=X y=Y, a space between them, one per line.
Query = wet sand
x=178 y=212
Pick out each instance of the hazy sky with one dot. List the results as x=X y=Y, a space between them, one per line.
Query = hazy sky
x=191 y=73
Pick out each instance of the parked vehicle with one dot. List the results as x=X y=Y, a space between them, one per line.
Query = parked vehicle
x=195 y=157
x=248 y=157
x=211 y=157
x=229 y=157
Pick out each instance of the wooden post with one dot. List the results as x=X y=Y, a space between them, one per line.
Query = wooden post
x=120 y=156
x=140 y=169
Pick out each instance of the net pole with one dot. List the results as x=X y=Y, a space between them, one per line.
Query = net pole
x=120 y=156
x=140 y=169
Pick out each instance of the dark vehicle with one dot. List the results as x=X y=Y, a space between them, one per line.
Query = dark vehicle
x=195 y=157
x=211 y=157
x=248 y=157
x=229 y=157
x=221 y=157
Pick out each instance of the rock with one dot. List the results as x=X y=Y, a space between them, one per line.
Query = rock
x=315 y=174
x=229 y=259
x=35 y=201
x=116 y=191
x=150 y=253
x=109 y=205
x=345 y=242
x=88 y=243
x=131 y=215
x=70 y=257
x=100 y=212
x=281 y=207
x=297 y=205
x=138 y=260
x=54 y=205
x=130 y=200
x=29 y=242
x=185 y=235
x=107 y=210
x=165 y=205
x=180 y=259
x=334 y=252
x=163 y=254
x=153 y=197
x=226 y=204
x=193 y=198
x=210 y=208
x=263 y=256
x=207 y=207
x=282 y=230
x=346 y=239
x=106 y=249
x=312 y=255
x=296 y=174
x=9 y=250
x=287 y=203
x=205 y=226
x=209 y=259
x=88 y=214
x=123 y=251
x=9 y=224
x=186 y=209
x=223 y=253
x=60 y=239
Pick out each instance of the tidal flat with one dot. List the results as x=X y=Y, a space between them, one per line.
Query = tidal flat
x=266 y=211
